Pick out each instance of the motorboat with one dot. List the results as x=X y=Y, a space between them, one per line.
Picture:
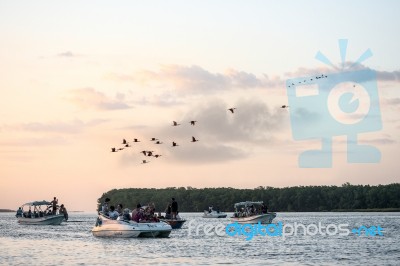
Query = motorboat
x=252 y=212
x=174 y=223
x=39 y=216
x=106 y=227
x=211 y=213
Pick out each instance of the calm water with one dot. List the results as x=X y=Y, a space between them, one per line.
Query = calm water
x=73 y=244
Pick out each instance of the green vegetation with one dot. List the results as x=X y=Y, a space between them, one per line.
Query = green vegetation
x=293 y=199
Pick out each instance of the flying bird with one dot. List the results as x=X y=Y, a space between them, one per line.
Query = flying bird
x=113 y=150
x=120 y=149
x=284 y=106
x=158 y=142
x=175 y=124
x=144 y=161
x=136 y=140
x=232 y=109
x=174 y=144
x=144 y=152
x=193 y=122
x=157 y=155
x=153 y=139
x=124 y=141
x=194 y=139
x=150 y=153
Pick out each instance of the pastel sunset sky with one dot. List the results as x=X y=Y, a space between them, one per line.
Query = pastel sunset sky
x=76 y=77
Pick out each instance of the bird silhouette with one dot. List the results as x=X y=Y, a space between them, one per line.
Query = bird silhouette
x=136 y=140
x=284 y=106
x=158 y=142
x=120 y=149
x=175 y=124
x=174 y=144
x=150 y=153
x=232 y=110
x=193 y=122
x=157 y=155
x=124 y=141
x=194 y=139
x=153 y=139
x=113 y=150
x=127 y=145
x=144 y=152
x=145 y=161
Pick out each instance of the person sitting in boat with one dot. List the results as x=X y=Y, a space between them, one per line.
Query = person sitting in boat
x=35 y=214
x=120 y=209
x=104 y=207
x=113 y=214
x=168 y=212
x=29 y=215
x=63 y=210
x=19 y=212
x=126 y=216
x=264 y=208
x=210 y=209
x=137 y=214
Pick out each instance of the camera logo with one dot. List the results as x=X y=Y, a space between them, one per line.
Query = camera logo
x=341 y=103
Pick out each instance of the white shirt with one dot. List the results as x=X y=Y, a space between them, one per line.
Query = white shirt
x=113 y=214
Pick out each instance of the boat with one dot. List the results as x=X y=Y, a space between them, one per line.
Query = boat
x=211 y=213
x=39 y=216
x=252 y=212
x=106 y=227
x=174 y=223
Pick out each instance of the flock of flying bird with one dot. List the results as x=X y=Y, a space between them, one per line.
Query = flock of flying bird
x=148 y=153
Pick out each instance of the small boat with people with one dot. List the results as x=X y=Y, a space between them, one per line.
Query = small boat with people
x=42 y=214
x=211 y=213
x=252 y=212
x=126 y=228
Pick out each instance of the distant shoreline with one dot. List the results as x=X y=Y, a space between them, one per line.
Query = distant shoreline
x=6 y=210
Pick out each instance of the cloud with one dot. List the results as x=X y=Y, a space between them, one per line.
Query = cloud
x=67 y=54
x=222 y=136
x=90 y=98
x=72 y=127
x=195 y=79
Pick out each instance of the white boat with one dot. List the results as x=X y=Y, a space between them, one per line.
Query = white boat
x=105 y=227
x=252 y=212
x=211 y=213
x=39 y=216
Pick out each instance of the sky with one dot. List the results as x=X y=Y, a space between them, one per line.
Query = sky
x=77 y=77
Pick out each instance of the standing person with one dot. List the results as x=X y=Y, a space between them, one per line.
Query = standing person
x=174 y=208
x=63 y=210
x=54 y=205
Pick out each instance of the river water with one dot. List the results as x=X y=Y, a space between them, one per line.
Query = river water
x=72 y=243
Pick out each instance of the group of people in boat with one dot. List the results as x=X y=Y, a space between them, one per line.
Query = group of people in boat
x=251 y=210
x=50 y=210
x=140 y=214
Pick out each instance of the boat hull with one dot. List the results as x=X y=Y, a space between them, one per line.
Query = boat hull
x=214 y=215
x=47 y=220
x=175 y=224
x=254 y=219
x=125 y=229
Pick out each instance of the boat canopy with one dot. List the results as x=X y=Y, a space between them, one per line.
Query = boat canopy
x=37 y=203
x=248 y=203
